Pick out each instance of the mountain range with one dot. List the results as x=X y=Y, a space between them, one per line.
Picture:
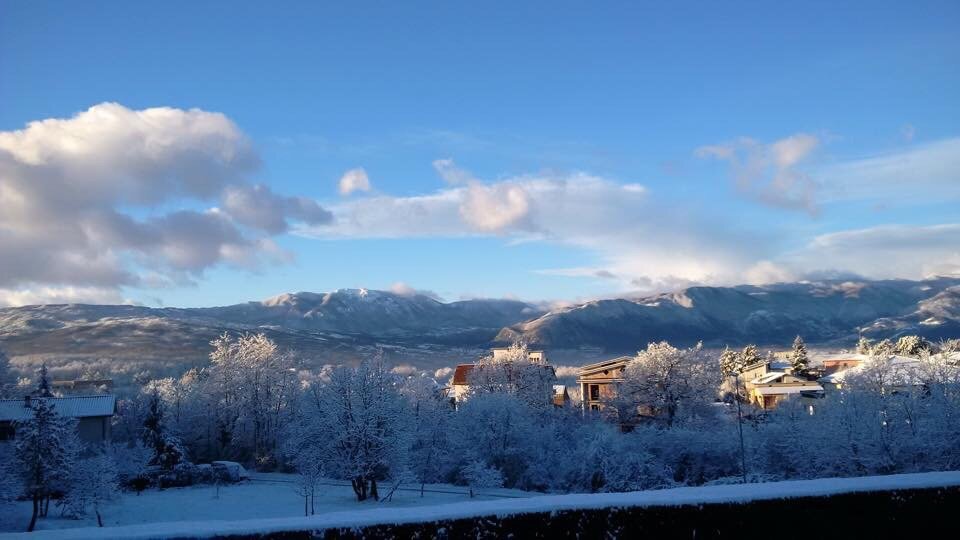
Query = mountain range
x=342 y=325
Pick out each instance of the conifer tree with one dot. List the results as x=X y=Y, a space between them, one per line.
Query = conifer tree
x=799 y=358
x=7 y=382
x=167 y=450
x=750 y=355
x=730 y=362
x=45 y=452
x=43 y=384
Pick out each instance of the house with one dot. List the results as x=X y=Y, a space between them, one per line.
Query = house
x=460 y=386
x=82 y=387
x=770 y=389
x=842 y=362
x=535 y=357
x=560 y=395
x=904 y=373
x=93 y=414
x=598 y=381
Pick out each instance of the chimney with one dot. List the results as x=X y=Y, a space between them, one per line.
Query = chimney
x=26 y=401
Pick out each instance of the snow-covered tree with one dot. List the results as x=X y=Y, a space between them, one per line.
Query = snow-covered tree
x=309 y=466
x=912 y=346
x=731 y=362
x=7 y=380
x=864 y=346
x=513 y=373
x=166 y=447
x=949 y=346
x=750 y=355
x=798 y=357
x=500 y=430
x=43 y=382
x=132 y=459
x=46 y=448
x=479 y=475
x=254 y=384
x=431 y=416
x=883 y=347
x=358 y=423
x=95 y=483
x=663 y=380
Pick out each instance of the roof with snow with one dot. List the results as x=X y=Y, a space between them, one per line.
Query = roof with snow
x=606 y=365
x=768 y=378
x=903 y=366
x=783 y=389
x=15 y=410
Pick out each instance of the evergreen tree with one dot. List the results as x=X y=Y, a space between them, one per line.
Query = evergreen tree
x=799 y=357
x=166 y=448
x=750 y=355
x=44 y=455
x=912 y=346
x=864 y=346
x=43 y=385
x=7 y=381
x=731 y=362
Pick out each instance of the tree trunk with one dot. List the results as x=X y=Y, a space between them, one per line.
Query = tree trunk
x=306 y=499
x=36 y=510
x=359 y=485
x=421 y=489
x=99 y=519
x=373 y=490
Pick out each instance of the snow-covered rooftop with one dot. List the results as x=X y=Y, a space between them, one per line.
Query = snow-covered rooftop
x=768 y=378
x=13 y=410
x=903 y=365
x=784 y=389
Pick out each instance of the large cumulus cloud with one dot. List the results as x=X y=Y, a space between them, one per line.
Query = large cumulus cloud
x=90 y=203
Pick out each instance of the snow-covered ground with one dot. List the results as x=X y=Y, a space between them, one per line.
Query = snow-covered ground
x=266 y=496
x=246 y=509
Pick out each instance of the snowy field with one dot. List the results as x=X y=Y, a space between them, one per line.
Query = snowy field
x=266 y=496
x=253 y=508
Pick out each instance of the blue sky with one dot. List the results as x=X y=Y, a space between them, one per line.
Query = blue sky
x=547 y=151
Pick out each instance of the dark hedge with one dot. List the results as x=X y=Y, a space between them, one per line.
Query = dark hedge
x=904 y=514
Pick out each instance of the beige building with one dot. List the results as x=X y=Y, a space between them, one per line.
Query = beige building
x=770 y=389
x=598 y=381
x=93 y=414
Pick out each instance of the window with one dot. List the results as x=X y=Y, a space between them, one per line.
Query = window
x=594 y=407
x=594 y=392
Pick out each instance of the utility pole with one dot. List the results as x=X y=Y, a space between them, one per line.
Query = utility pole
x=743 y=453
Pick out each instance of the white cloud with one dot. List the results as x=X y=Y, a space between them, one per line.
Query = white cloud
x=354 y=180
x=888 y=251
x=109 y=196
x=916 y=174
x=640 y=243
x=60 y=295
x=402 y=289
x=495 y=208
x=258 y=207
x=770 y=173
